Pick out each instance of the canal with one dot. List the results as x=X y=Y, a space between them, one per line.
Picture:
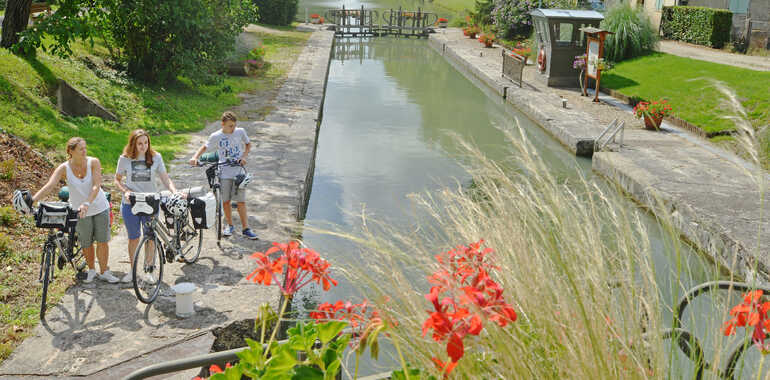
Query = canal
x=393 y=111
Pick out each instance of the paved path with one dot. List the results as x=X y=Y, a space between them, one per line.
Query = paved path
x=704 y=53
x=101 y=331
x=712 y=193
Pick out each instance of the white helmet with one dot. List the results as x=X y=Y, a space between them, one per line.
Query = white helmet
x=176 y=205
x=242 y=180
x=22 y=201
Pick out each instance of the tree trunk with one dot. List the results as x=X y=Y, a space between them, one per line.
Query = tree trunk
x=16 y=19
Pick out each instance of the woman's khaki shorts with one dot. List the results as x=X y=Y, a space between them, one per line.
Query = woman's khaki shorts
x=94 y=227
x=230 y=192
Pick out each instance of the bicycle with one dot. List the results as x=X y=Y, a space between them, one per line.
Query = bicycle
x=213 y=171
x=173 y=238
x=60 y=219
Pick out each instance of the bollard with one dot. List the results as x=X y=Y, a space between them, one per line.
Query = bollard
x=563 y=102
x=184 y=303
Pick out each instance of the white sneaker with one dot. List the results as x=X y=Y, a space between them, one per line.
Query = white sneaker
x=90 y=275
x=127 y=278
x=228 y=230
x=109 y=277
x=149 y=278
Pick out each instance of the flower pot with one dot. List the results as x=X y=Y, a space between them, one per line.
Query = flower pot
x=472 y=36
x=487 y=44
x=652 y=122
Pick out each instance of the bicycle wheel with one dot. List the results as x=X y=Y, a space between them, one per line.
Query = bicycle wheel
x=218 y=197
x=147 y=269
x=47 y=275
x=191 y=249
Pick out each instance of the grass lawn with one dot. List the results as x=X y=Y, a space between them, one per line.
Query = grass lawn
x=685 y=83
x=28 y=110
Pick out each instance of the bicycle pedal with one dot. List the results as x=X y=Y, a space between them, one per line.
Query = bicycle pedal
x=60 y=262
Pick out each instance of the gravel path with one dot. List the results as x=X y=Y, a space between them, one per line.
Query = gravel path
x=703 y=53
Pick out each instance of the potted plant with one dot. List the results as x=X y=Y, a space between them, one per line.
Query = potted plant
x=256 y=60
x=524 y=51
x=442 y=22
x=652 y=112
x=315 y=18
x=487 y=39
x=471 y=31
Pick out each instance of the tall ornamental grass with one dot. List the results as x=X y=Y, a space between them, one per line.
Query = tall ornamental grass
x=573 y=262
x=633 y=32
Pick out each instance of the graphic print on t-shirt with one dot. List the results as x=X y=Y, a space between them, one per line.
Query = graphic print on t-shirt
x=140 y=172
x=229 y=151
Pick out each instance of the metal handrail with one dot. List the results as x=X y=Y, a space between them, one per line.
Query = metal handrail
x=612 y=130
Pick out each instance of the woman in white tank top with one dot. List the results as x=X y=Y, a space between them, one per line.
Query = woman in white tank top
x=83 y=175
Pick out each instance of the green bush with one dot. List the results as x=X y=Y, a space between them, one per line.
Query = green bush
x=276 y=12
x=6 y=244
x=698 y=25
x=8 y=169
x=7 y=216
x=633 y=32
x=156 y=40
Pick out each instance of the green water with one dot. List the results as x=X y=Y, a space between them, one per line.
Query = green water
x=390 y=110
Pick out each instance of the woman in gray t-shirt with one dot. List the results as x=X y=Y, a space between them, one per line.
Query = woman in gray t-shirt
x=138 y=168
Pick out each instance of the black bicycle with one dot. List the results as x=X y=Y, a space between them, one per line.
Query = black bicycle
x=175 y=237
x=62 y=243
x=213 y=172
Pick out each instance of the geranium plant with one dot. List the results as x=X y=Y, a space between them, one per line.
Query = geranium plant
x=471 y=31
x=657 y=109
x=487 y=39
x=464 y=298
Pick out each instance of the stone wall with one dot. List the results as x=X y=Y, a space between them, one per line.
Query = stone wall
x=72 y=102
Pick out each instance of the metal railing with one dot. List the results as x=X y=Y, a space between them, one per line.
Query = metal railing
x=611 y=132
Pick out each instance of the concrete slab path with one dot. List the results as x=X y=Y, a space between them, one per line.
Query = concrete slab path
x=713 y=194
x=101 y=331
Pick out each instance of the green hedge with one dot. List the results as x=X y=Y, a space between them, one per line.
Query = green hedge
x=277 y=12
x=698 y=25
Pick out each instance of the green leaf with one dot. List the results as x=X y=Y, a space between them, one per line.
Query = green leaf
x=414 y=373
x=332 y=369
x=218 y=376
x=233 y=373
x=342 y=343
x=307 y=373
x=283 y=359
x=327 y=331
x=328 y=356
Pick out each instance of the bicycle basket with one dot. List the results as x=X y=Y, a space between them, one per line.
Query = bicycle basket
x=211 y=175
x=55 y=215
x=145 y=204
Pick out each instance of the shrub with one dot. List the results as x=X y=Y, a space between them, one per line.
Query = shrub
x=8 y=169
x=155 y=40
x=5 y=244
x=634 y=34
x=7 y=216
x=698 y=25
x=511 y=17
x=277 y=12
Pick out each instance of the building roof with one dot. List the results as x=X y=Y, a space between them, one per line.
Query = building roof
x=567 y=13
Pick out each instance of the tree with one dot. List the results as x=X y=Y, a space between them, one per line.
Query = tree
x=15 y=21
x=156 y=40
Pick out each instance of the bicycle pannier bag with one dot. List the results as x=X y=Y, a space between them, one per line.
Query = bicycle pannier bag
x=55 y=215
x=145 y=204
x=203 y=211
x=167 y=217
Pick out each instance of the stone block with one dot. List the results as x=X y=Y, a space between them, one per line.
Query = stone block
x=72 y=102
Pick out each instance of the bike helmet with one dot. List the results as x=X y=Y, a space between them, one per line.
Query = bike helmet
x=242 y=180
x=22 y=201
x=176 y=205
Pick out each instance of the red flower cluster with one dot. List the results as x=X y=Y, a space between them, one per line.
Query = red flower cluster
x=750 y=313
x=470 y=296
x=214 y=369
x=303 y=265
x=315 y=15
x=343 y=311
x=442 y=20
x=654 y=109
x=524 y=51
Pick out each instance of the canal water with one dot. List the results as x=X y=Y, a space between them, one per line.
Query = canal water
x=391 y=108
x=392 y=111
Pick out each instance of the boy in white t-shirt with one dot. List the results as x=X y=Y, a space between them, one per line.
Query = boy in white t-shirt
x=231 y=143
